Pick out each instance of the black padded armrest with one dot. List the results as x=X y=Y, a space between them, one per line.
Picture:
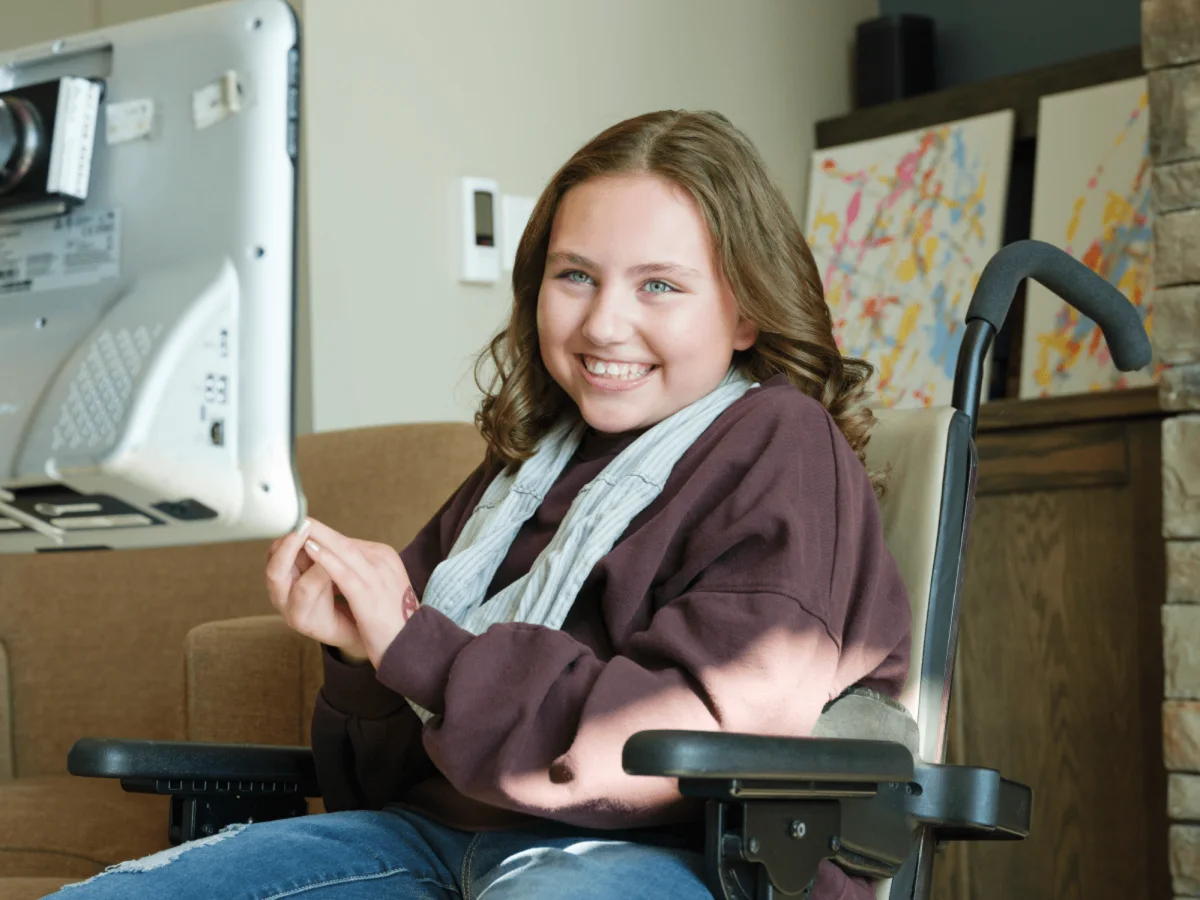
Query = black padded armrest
x=696 y=755
x=966 y=803
x=160 y=765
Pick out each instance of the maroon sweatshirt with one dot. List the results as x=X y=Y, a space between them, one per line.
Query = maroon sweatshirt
x=755 y=588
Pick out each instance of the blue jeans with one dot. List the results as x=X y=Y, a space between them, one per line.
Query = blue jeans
x=399 y=854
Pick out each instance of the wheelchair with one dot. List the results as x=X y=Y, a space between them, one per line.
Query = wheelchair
x=868 y=789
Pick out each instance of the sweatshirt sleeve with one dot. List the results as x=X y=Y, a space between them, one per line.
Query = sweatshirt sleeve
x=363 y=732
x=530 y=719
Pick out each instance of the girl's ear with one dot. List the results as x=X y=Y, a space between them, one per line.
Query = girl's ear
x=745 y=334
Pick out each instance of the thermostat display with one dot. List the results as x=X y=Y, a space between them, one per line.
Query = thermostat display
x=480 y=256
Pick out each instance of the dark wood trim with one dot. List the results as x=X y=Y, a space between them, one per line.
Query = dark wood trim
x=1087 y=454
x=1149 y=554
x=1001 y=415
x=1019 y=92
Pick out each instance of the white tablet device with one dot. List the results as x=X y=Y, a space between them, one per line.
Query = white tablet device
x=148 y=182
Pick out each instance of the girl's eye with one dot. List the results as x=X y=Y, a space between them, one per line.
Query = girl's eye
x=576 y=277
x=658 y=287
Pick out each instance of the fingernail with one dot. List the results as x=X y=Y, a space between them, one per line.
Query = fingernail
x=304 y=526
x=311 y=547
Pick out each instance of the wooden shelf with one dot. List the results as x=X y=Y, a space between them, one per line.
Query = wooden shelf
x=1019 y=92
x=1004 y=415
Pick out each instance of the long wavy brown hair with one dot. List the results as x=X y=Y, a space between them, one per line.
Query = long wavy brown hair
x=759 y=247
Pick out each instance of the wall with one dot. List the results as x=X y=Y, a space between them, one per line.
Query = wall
x=980 y=39
x=405 y=97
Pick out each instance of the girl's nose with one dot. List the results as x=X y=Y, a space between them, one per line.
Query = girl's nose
x=608 y=319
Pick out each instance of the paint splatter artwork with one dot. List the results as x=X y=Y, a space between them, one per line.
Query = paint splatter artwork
x=1092 y=198
x=901 y=227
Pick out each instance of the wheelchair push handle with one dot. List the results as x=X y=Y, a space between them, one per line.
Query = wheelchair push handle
x=1071 y=280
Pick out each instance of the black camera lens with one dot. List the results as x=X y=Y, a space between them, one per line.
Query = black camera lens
x=20 y=140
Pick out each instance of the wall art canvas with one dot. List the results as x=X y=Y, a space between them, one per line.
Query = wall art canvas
x=901 y=228
x=1092 y=198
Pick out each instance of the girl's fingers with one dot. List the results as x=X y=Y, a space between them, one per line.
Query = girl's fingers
x=348 y=550
x=305 y=606
x=348 y=580
x=279 y=566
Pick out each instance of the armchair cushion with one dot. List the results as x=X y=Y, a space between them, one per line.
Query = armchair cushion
x=46 y=819
x=30 y=888
x=250 y=680
x=6 y=737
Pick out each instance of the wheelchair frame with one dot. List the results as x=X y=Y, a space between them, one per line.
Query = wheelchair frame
x=776 y=807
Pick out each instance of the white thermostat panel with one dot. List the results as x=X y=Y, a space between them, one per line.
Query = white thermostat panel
x=480 y=255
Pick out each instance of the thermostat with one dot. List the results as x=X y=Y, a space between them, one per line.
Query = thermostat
x=480 y=255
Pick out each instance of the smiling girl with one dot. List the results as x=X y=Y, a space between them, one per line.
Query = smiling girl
x=673 y=529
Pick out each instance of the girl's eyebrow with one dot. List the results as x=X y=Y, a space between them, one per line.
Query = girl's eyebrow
x=650 y=268
x=664 y=268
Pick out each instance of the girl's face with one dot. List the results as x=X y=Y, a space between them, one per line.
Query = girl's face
x=635 y=320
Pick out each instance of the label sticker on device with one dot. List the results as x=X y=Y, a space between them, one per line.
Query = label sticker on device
x=128 y=121
x=73 y=250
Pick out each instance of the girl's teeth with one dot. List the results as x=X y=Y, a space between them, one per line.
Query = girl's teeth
x=616 y=370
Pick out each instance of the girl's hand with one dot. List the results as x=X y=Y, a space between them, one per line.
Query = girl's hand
x=373 y=580
x=307 y=598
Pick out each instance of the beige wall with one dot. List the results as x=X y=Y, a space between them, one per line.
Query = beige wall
x=403 y=97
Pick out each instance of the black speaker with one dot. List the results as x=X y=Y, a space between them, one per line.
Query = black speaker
x=893 y=59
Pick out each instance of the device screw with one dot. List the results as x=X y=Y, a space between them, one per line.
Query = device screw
x=797 y=829
x=835 y=844
x=754 y=845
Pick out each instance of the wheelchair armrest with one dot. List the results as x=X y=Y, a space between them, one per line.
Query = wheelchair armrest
x=966 y=803
x=178 y=767
x=957 y=802
x=778 y=806
x=716 y=756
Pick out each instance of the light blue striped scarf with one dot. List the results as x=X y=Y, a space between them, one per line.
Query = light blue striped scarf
x=600 y=513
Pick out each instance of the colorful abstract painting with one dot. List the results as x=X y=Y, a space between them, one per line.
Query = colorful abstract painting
x=901 y=228
x=1092 y=198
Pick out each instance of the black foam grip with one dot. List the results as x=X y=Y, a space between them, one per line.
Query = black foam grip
x=1071 y=280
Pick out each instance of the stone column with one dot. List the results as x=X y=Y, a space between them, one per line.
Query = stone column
x=1171 y=55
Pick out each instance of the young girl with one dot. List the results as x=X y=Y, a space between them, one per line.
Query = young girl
x=673 y=528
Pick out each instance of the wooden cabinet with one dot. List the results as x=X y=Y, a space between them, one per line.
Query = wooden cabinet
x=1059 y=677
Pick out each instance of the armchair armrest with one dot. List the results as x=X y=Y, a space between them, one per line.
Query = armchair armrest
x=786 y=804
x=210 y=785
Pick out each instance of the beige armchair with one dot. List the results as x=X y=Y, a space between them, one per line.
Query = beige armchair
x=90 y=645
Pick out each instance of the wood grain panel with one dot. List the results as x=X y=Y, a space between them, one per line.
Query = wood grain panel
x=1101 y=405
x=1049 y=692
x=1091 y=454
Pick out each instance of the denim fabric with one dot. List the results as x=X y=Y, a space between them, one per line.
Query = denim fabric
x=399 y=854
